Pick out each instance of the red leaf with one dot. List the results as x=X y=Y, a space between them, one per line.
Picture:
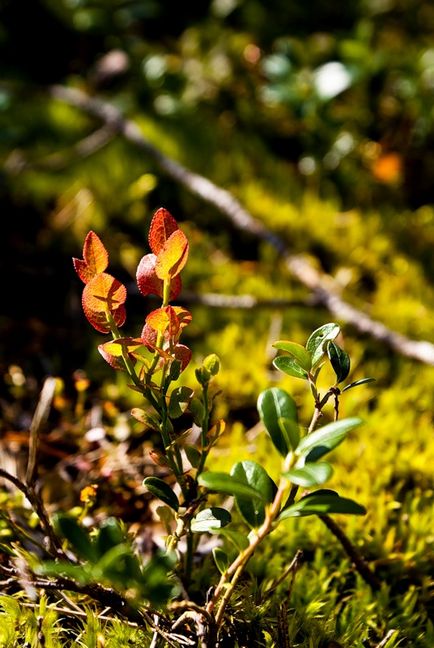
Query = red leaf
x=112 y=351
x=162 y=226
x=104 y=293
x=169 y=320
x=95 y=258
x=160 y=319
x=183 y=315
x=149 y=283
x=99 y=319
x=83 y=270
x=113 y=361
x=183 y=354
x=149 y=337
x=172 y=256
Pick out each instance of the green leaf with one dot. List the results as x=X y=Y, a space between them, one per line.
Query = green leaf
x=113 y=565
x=322 y=503
x=312 y=474
x=340 y=361
x=251 y=473
x=290 y=432
x=318 y=443
x=210 y=519
x=274 y=404
x=175 y=370
x=69 y=528
x=297 y=351
x=362 y=381
x=82 y=574
x=157 y=584
x=221 y=559
x=223 y=483
x=315 y=344
x=197 y=410
x=160 y=489
x=179 y=401
x=290 y=367
x=193 y=455
x=238 y=539
x=109 y=535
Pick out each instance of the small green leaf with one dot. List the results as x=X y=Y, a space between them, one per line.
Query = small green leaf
x=175 y=370
x=322 y=503
x=362 y=381
x=109 y=535
x=315 y=344
x=223 y=483
x=119 y=565
x=221 y=559
x=79 y=540
x=82 y=574
x=274 y=404
x=179 y=401
x=340 y=361
x=193 y=455
x=297 y=351
x=238 y=539
x=290 y=367
x=251 y=473
x=290 y=431
x=312 y=474
x=210 y=519
x=160 y=489
x=197 y=410
x=318 y=443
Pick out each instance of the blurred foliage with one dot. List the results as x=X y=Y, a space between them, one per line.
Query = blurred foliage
x=319 y=117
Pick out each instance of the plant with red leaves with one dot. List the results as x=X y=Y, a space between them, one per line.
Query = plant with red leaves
x=155 y=360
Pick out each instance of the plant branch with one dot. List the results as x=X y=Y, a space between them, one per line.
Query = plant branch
x=323 y=287
x=359 y=562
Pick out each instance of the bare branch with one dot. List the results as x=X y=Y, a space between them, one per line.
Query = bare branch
x=322 y=286
x=243 y=302
x=352 y=552
x=16 y=162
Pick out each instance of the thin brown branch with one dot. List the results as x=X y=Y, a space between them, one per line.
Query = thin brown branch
x=321 y=285
x=356 y=557
x=17 y=163
x=243 y=302
x=55 y=546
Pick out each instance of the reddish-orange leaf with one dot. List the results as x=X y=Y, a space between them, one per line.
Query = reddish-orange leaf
x=115 y=347
x=162 y=226
x=99 y=319
x=183 y=315
x=95 y=258
x=160 y=319
x=172 y=256
x=94 y=253
x=149 y=337
x=83 y=270
x=113 y=361
x=183 y=354
x=149 y=283
x=104 y=293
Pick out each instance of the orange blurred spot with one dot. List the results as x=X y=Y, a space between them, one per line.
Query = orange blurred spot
x=387 y=168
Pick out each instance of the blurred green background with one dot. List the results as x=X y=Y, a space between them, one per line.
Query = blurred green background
x=317 y=116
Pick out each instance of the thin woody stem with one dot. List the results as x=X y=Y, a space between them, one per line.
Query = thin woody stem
x=229 y=579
